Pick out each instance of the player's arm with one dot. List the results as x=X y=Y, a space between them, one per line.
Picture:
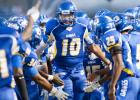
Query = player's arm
x=42 y=66
x=105 y=78
x=40 y=49
x=98 y=52
x=118 y=66
x=17 y=67
x=54 y=78
x=96 y=85
x=33 y=15
x=117 y=69
x=113 y=44
x=19 y=77
x=43 y=82
x=45 y=68
x=96 y=73
x=20 y=82
x=43 y=45
x=46 y=85
x=28 y=30
x=49 y=63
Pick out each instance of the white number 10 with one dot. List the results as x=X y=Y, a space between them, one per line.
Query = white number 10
x=74 y=47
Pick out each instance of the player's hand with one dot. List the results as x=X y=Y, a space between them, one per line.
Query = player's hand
x=91 y=77
x=34 y=11
x=56 y=80
x=111 y=93
x=59 y=93
x=93 y=86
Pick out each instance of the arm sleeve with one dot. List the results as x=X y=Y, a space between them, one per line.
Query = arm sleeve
x=87 y=38
x=30 y=71
x=17 y=61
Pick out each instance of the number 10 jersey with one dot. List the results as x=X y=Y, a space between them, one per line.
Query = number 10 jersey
x=70 y=43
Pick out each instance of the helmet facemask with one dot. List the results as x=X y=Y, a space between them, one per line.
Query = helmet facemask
x=67 y=19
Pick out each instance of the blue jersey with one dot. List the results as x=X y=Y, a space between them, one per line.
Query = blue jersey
x=112 y=39
x=8 y=48
x=91 y=61
x=30 y=71
x=29 y=66
x=70 y=44
x=50 y=25
x=19 y=24
x=134 y=41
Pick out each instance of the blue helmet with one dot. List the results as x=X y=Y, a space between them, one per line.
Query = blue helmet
x=66 y=13
x=81 y=14
x=17 y=23
x=42 y=19
x=121 y=21
x=124 y=23
x=103 y=24
x=102 y=12
x=133 y=14
x=36 y=37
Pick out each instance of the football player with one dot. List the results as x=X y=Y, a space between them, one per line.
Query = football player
x=69 y=37
x=10 y=63
x=32 y=74
x=123 y=69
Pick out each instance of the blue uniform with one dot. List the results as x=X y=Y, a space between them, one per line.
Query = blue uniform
x=69 y=57
x=50 y=25
x=134 y=42
x=29 y=72
x=91 y=63
x=9 y=47
x=127 y=86
x=29 y=66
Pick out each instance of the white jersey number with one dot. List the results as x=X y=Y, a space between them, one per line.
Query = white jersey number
x=73 y=46
x=3 y=65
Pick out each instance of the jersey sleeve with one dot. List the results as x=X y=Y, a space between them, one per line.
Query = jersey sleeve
x=50 y=25
x=30 y=71
x=29 y=65
x=31 y=60
x=87 y=38
x=17 y=61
